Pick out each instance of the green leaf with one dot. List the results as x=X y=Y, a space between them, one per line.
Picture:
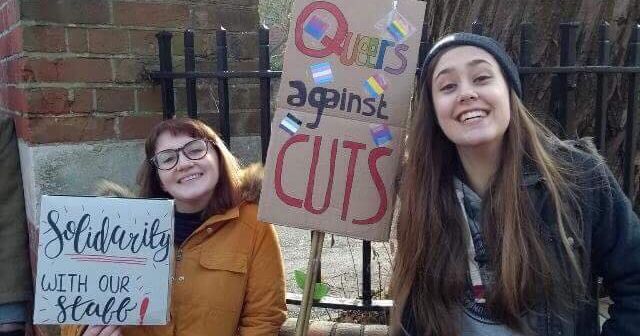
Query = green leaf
x=320 y=291
x=300 y=277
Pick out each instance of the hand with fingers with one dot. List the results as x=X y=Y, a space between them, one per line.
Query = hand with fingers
x=100 y=330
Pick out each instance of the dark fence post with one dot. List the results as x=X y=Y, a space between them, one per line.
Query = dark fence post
x=166 y=66
x=223 y=85
x=567 y=58
x=190 y=67
x=602 y=90
x=477 y=27
x=265 y=89
x=526 y=34
x=632 y=109
x=366 y=272
x=424 y=43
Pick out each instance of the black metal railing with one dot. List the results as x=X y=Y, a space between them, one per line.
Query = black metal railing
x=561 y=85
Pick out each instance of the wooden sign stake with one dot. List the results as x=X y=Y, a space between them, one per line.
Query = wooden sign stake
x=302 y=325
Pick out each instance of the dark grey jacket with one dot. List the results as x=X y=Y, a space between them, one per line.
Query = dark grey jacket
x=611 y=239
x=611 y=236
x=15 y=274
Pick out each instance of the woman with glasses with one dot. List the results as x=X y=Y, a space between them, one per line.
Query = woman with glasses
x=504 y=229
x=228 y=275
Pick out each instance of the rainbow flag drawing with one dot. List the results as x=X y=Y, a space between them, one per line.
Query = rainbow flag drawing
x=290 y=124
x=399 y=29
x=316 y=27
x=375 y=85
x=381 y=134
x=321 y=73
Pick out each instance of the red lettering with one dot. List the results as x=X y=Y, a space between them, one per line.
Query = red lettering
x=376 y=154
x=308 y=201
x=331 y=45
x=289 y=200
x=354 y=150
x=353 y=158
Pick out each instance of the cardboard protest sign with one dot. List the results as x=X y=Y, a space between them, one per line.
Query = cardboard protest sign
x=337 y=133
x=104 y=261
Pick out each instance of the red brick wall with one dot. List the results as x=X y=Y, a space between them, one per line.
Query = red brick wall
x=73 y=71
x=77 y=70
x=10 y=47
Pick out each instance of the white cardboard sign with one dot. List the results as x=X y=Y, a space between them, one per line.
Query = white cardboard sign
x=104 y=261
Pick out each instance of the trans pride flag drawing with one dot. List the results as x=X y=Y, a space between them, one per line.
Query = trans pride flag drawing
x=321 y=73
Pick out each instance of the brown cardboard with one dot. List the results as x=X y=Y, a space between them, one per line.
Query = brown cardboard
x=361 y=17
x=359 y=133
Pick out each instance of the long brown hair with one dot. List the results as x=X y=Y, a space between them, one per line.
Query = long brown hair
x=226 y=193
x=430 y=267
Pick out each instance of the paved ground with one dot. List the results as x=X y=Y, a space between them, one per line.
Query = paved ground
x=341 y=265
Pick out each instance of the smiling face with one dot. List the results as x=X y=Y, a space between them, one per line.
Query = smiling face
x=470 y=97
x=191 y=182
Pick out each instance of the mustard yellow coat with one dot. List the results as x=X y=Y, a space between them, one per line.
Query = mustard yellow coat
x=228 y=280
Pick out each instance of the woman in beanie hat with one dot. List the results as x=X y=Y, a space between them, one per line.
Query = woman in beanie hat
x=504 y=229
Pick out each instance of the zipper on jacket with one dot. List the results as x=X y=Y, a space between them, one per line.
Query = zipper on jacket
x=548 y=314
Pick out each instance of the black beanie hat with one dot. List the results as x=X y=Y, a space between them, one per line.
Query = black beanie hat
x=490 y=45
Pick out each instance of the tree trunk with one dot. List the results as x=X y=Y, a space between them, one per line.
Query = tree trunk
x=502 y=18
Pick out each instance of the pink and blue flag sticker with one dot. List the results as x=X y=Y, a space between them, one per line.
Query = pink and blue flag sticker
x=375 y=85
x=322 y=73
x=381 y=134
x=290 y=124
x=316 y=27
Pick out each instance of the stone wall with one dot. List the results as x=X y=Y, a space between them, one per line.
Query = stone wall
x=326 y=328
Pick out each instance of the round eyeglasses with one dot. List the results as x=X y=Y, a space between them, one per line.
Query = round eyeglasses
x=192 y=150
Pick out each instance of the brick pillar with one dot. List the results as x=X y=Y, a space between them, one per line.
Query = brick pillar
x=74 y=76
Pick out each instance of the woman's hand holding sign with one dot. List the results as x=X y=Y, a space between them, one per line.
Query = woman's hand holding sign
x=99 y=330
